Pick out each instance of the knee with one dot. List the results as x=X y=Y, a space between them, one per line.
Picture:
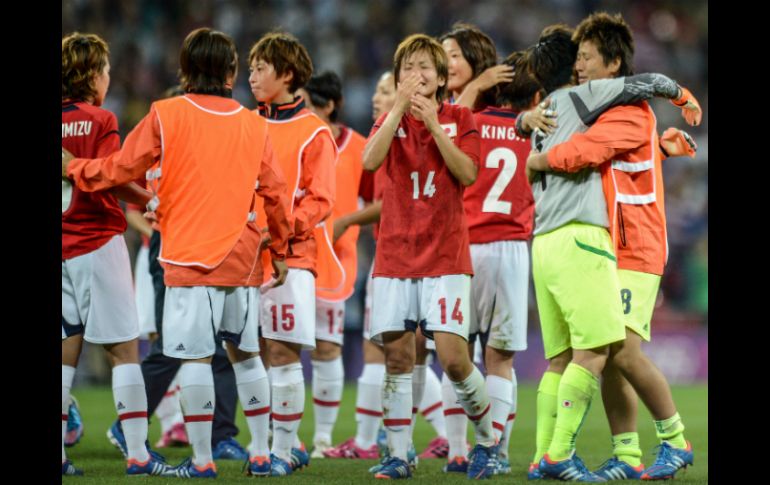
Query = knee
x=559 y=363
x=325 y=351
x=123 y=352
x=456 y=368
x=282 y=353
x=399 y=361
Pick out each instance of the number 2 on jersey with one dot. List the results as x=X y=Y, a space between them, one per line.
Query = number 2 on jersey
x=429 y=189
x=492 y=202
x=457 y=315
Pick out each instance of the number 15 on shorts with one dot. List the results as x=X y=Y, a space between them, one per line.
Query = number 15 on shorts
x=287 y=317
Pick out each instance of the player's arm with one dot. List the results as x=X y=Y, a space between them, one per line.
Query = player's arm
x=272 y=189
x=317 y=179
x=137 y=221
x=491 y=77
x=141 y=149
x=367 y=215
x=378 y=144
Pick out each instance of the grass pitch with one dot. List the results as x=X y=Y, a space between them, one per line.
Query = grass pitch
x=103 y=464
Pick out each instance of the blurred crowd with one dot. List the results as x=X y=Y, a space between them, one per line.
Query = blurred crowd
x=357 y=39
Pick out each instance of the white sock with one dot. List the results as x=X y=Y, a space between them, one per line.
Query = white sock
x=131 y=403
x=397 y=412
x=505 y=441
x=418 y=391
x=196 y=381
x=369 y=404
x=254 y=394
x=67 y=375
x=499 y=389
x=430 y=407
x=288 y=405
x=472 y=394
x=327 y=392
x=456 y=420
x=169 y=412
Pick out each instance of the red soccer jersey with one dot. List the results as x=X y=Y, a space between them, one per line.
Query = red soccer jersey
x=500 y=206
x=423 y=231
x=93 y=218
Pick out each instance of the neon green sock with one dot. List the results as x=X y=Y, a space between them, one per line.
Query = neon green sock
x=576 y=390
x=625 y=447
x=672 y=431
x=547 y=399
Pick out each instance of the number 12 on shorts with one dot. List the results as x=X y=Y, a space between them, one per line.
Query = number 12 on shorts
x=287 y=317
x=457 y=315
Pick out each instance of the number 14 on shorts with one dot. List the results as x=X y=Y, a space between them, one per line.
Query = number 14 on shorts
x=457 y=314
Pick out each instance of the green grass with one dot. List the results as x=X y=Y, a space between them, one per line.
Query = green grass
x=103 y=464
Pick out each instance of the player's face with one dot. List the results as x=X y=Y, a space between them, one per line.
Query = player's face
x=384 y=95
x=421 y=63
x=265 y=83
x=460 y=72
x=102 y=84
x=590 y=64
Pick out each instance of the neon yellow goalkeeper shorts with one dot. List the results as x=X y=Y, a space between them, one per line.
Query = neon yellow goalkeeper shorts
x=576 y=285
x=638 y=292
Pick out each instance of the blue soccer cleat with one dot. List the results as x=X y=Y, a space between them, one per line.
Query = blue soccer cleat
x=503 y=466
x=411 y=458
x=482 y=461
x=299 y=457
x=570 y=470
x=67 y=468
x=279 y=467
x=259 y=466
x=74 y=424
x=229 y=449
x=117 y=438
x=149 y=467
x=615 y=469
x=394 y=468
x=534 y=472
x=187 y=469
x=669 y=461
x=458 y=464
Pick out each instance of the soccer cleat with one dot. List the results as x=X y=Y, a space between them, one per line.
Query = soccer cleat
x=176 y=435
x=482 y=461
x=615 y=469
x=458 y=464
x=259 y=466
x=74 y=424
x=117 y=438
x=349 y=449
x=187 y=469
x=299 y=457
x=229 y=449
x=502 y=466
x=570 y=470
x=437 y=448
x=149 y=467
x=534 y=472
x=319 y=449
x=411 y=458
x=669 y=461
x=67 y=468
x=279 y=467
x=382 y=442
x=394 y=468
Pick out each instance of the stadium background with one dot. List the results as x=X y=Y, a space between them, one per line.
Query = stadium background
x=357 y=39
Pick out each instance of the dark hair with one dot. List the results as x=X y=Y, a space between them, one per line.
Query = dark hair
x=83 y=57
x=478 y=49
x=207 y=60
x=612 y=37
x=520 y=92
x=421 y=42
x=552 y=59
x=286 y=54
x=323 y=88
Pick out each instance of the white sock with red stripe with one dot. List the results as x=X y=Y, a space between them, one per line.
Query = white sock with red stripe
x=169 y=412
x=327 y=392
x=504 y=442
x=196 y=381
x=288 y=405
x=67 y=375
x=472 y=395
x=430 y=407
x=131 y=404
x=456 y=421
x=397 y=412
x=418 y=391
x=254 y=394
x=369 y=404
x=499 y=389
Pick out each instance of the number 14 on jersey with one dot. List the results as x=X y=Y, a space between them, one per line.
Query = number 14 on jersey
x=429 y=188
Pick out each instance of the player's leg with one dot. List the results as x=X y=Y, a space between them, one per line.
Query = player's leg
x=433 y=412
x=328 y=372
